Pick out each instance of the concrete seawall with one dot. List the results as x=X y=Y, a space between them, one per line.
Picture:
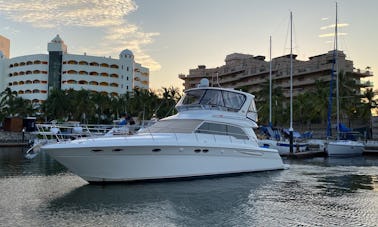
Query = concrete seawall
x=14 y=138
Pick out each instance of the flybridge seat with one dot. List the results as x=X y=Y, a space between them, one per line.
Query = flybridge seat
x=273 y=134
x=276 y=133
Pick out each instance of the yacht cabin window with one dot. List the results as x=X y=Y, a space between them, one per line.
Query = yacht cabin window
x=222 y=129
x=174 y=126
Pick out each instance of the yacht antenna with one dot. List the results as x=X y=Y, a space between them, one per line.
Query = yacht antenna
x=218 y=79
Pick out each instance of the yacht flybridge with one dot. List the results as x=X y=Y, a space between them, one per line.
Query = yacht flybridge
x=212 y=134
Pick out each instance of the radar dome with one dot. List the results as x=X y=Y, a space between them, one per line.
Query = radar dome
x=204 y=82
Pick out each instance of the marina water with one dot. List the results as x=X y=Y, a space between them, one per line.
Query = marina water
x=313 y=192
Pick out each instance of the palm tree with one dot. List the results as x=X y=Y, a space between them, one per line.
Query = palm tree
x=56 y=106
x=13 y=105
x=103 y=111
x=21 y=107
x=7 y=97
x=303 y=108
x=349 y=98
x=279 y=112
x=167 y=101
x=83 y=104
x=319 y=98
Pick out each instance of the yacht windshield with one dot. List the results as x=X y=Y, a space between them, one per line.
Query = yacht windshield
x=233 y=100
x=193 y=97
x=229 y=100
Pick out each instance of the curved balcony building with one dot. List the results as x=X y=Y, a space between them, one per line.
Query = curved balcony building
x=32 y=76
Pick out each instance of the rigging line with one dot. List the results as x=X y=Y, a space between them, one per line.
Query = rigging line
x=296 y=45
x=286 y=37
x=294 y=38
x=279 y=26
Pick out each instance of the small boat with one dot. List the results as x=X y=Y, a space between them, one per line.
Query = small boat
x=275 y=140
x=212 y=134
x=344 y=148
x=371 y=147
x=283 y=147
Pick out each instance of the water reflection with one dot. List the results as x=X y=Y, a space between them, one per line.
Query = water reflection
x=313 y=192
x=194 y=202
x=338 y=185
x=337 y=161
x=14 y=163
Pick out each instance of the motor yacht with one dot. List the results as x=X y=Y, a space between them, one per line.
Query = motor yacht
x=212 y=134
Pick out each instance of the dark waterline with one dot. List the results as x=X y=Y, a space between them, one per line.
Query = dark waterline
x=313 y=192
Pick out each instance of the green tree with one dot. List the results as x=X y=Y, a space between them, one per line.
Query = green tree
x=13 y=105
x=57 y=106
x=303 y=106
x=349 y=100
x=279 y=105
x=103 y=108
x=167 y=101
x=82 y=105
x=7 y=97
x=320 y=97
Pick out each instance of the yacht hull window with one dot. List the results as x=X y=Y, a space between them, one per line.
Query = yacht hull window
x=222 y=129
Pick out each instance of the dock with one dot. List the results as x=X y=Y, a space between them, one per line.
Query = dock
x=306 y=154
x=13 y=144
x=371 y=148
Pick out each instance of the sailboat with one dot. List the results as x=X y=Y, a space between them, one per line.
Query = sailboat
x=284 y=147
x=339 y=147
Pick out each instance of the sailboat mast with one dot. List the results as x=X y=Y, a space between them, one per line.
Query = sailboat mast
x=291 y=83
x=291 y=71
x=337 y=79
x=270 y=81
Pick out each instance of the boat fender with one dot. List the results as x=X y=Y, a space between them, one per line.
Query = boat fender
x=54 y=130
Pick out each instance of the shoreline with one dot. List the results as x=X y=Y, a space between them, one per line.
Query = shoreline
x=14 y=139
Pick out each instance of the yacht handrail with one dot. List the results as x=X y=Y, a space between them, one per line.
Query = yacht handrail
x=61 y=136
x=69 y=131
x=206 y=107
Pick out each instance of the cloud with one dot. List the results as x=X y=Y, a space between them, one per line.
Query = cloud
x=332 y=34
x=10 y=30
x=333 y=26
x=106 y=15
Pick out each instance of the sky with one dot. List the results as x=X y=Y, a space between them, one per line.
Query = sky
x=172 y=36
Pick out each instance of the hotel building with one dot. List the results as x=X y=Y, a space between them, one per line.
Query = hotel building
x=33 y=76
x=250 y=72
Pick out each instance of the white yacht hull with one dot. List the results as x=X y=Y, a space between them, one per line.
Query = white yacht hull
x=344 y=148
x=283 y=147
x=134 y=158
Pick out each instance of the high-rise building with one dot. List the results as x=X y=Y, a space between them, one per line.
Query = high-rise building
x=251 y=72
x=4 y=46
x=33 y=76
